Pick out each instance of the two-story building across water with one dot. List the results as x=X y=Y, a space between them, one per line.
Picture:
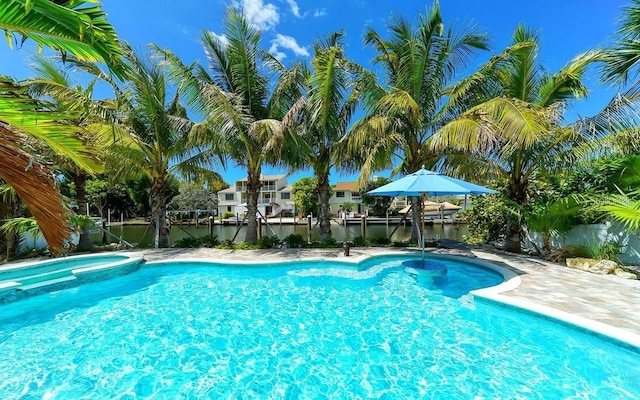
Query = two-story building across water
x=275 y=197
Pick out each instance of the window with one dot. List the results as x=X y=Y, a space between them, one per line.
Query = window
x=339 y=194
x=267 y=195
x=228 y=196
x=229 y=208
x=285 y=196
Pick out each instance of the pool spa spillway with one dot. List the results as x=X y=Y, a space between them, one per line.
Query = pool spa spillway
x=304 y=329
x=21 y=280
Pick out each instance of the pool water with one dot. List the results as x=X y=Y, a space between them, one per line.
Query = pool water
x=309 y=330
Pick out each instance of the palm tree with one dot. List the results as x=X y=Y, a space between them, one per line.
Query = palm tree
x=156 y=144
x=78 y=27
x=69 y=27
x=321 y=115
x=242 y=115
x=420 y=63
x=512 y=127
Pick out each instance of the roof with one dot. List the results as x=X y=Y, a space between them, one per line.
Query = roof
x=351 y=186
x=287 y=188
x=230 y=189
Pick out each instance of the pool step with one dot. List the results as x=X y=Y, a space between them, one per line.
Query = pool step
x=46 y=283
x=46 y=276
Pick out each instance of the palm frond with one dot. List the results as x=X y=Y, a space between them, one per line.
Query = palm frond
x=70 y=26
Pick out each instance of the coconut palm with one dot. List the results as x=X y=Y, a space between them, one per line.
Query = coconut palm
x=420 y=62
x=96 y=120
x=512 y=128
x=321 y=115
x=156 y=144
x=242 y=113
x=69 y=27
x=78 y=27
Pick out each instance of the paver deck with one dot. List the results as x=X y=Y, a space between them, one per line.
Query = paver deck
x=607 y=299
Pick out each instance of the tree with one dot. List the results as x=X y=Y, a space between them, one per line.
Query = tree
x=420 y=62
x=379 y=205
x=70 y=27
x=305 y=195
x=321 y=115
x=511 y=129
x=196 y=197
x=156 y=145
x=241 y=107
x=10 y=207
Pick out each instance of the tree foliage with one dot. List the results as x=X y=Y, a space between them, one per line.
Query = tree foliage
x=305 y=195
x=379 y=205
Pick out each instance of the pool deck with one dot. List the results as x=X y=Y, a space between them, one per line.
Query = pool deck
x=608 y=300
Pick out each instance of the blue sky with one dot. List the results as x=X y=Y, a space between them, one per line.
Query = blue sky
x=567 y=28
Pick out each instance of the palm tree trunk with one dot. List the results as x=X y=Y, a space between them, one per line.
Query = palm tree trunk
x=80 y=181
x=518 y=194
x=416 y=210
x=13 y=238
x=253 y=192
x=158 y=203
x=324 y=210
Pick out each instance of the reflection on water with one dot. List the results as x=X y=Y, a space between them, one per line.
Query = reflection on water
x=135 y=234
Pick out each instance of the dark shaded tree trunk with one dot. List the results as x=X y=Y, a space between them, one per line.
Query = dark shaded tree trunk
x=253 y=193
x=324 y=209
x=517 y=194
x=158 y=203
x=13 y=238
x=84 y=242
x=80 y=181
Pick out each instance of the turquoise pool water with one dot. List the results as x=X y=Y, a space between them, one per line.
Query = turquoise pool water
x=310 y=330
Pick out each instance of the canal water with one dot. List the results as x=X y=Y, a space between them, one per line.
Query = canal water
x=140 y=236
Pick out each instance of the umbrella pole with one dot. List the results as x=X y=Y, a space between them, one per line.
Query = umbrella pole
x=422 y=219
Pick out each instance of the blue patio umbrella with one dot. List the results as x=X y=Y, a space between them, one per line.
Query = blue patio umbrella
x=424 y=182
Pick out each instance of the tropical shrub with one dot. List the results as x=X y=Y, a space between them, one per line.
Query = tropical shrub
x=360 y=242
x=209 y=241
x=488 y=219
x=294 y=241
x=268 y=242
x=188 y=242
x=228 y=214
x=596 y=250
x=380 y=241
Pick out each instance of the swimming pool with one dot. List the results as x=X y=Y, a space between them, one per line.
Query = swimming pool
x=22 y=280
x=298 y=330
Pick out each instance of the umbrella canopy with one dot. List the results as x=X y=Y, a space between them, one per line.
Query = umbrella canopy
x=425 y=182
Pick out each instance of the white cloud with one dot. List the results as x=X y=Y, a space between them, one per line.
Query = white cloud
x=224 y=41
x=320 y=12
x=295 y=10
x=276 y=53
x=263 y=16
x=290 y=43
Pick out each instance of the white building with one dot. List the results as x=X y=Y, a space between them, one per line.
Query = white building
x=346 y=192
x=275 y=197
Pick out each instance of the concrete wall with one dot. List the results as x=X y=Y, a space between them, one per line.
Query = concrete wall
x=601 y=233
